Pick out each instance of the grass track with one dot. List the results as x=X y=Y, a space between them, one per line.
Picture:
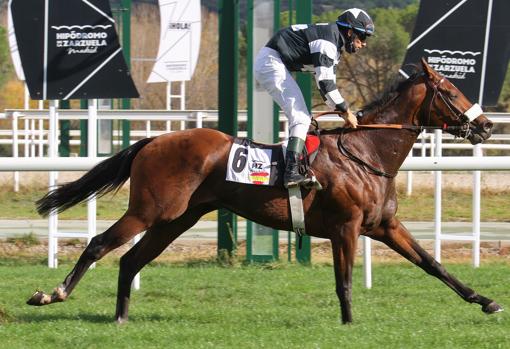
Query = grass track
x=276 y=306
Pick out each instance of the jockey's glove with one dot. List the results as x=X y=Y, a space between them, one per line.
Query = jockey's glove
x=350 y=119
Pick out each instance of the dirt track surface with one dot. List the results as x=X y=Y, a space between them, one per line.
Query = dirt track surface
x=200 y=250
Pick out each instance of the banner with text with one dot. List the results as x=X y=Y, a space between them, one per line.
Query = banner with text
x=179 y=42
x=466 y=41
x=69 y=49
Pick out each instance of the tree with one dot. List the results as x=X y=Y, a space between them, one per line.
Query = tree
x=6 y=69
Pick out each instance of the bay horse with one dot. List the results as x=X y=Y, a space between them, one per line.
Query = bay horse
x=177 y=178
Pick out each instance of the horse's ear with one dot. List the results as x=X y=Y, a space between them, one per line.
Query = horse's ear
x=427 y=69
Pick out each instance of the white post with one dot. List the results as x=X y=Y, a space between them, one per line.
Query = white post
x=409 y=190
x=41 y=138
x=424 y=144
x=183 y=102
x=183 y=95
x=92 y=153
x=26 y=101
x=437 y=198
x=25 y=137
x=199 y=118
x=168 y=104
x=32 y=137
x=26 y=105
x=148 y=128
x=15 y=148
x=41 y=130
x=52 y=153
x=477 y=151
x=367 y=262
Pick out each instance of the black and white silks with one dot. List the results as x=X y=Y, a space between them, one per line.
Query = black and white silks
x=314 y=48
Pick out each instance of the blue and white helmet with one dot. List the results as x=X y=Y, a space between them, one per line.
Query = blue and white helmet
x=357 y=20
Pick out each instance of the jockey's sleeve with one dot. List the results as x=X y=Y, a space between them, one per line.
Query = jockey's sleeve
x=324 y=59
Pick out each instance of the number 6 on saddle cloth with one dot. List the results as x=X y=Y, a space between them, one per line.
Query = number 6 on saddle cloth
x=255 y=163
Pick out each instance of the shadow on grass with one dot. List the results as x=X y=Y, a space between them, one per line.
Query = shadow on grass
x=85 y=317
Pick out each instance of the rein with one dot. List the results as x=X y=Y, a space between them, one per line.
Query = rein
x=445 y=127
x=369 y=168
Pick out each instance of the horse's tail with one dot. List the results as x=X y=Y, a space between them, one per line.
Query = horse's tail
x=106 y=176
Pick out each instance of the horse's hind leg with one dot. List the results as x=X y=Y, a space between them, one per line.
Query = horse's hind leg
x=152 y=244
x=118 y=234
x=396 y=236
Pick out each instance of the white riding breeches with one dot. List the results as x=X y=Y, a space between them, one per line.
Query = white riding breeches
x=273 y=76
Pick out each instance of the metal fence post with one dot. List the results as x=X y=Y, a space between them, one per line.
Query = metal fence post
x=227 y=103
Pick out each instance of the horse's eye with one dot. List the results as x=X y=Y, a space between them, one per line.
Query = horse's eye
x=453 y=96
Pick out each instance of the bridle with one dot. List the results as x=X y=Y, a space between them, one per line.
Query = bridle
x=463 y=118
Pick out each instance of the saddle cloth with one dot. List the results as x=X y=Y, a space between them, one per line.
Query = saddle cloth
x=255 y=163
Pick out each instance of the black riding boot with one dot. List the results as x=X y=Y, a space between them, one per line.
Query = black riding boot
x=292 y=177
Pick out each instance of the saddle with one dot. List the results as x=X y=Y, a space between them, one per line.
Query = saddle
x=264 y=164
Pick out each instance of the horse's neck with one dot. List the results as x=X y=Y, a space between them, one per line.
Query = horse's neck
x=391 y=146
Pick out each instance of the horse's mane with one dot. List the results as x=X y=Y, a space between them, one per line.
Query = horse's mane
x=393 y=91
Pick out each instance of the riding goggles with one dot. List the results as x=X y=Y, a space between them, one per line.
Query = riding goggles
x=362 y=34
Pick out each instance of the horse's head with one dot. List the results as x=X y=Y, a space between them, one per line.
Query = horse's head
x=447 y=105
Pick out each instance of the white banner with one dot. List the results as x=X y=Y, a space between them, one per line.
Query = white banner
x=13 y=46
x=179 y=41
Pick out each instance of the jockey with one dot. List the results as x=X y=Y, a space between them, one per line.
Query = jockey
x=315 y=48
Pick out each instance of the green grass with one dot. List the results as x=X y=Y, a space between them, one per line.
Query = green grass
x=29 y=239
x=456 y=205
x=277 y=306
x=418 y=207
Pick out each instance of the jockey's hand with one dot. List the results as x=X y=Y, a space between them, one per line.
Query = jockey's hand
x=350 y=119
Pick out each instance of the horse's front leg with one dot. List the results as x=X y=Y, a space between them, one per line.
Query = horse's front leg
x=396 y=236
x=344 y=251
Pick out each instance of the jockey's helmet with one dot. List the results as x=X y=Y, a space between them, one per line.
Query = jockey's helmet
x=357 y=20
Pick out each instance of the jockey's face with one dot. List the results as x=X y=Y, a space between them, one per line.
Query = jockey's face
x=356 y=42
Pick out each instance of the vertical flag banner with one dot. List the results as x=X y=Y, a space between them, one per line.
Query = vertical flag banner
x=179 y=42
x=468 y=41
x=69 y=49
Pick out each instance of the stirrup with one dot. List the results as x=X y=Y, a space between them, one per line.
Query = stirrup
x=294 y=183
x=307 y=183
x=313 y=183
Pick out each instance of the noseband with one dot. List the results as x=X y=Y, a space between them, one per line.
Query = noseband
x=463 y=118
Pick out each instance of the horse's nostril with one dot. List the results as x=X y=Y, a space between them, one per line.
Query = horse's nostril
x=487 y=127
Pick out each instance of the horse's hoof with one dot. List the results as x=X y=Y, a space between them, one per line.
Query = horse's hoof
x=121 y=321
x=492 y=308
x=59 y=295
x=39 y=298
